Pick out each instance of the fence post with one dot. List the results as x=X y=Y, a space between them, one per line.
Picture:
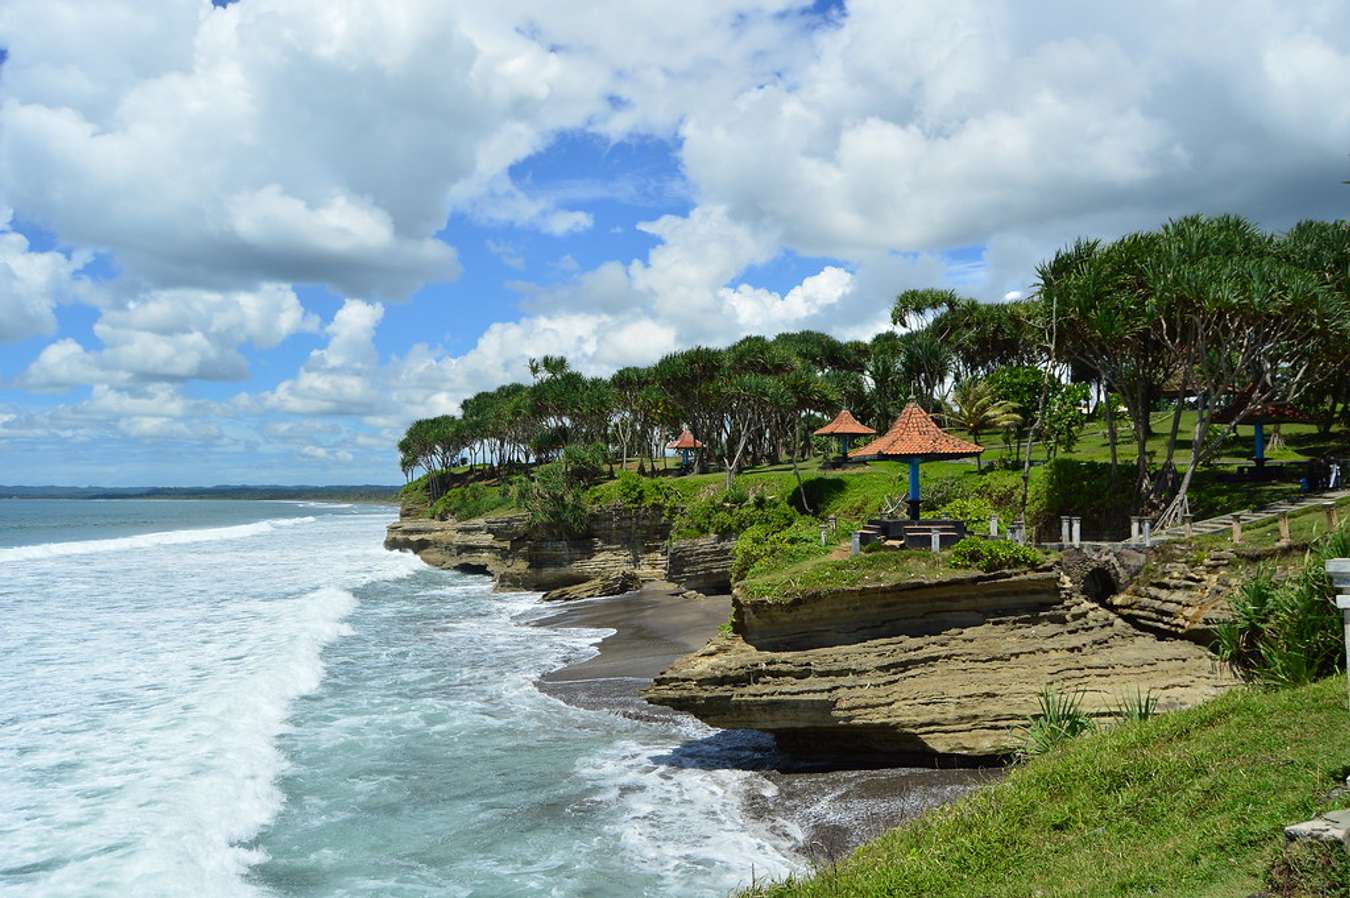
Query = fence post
x=1237 y=528
x=935 y=541
x=1148 y=532
x=1065 y=529
x=824 y=533
x=993 y=526
x=856 y=546
x=1188 y=520
x=1333 y=518
x=1134 y=528
x=1339 y=569
x=1077 y=531
x=1284 y=528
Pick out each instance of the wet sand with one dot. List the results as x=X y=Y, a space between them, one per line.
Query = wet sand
x=835 y=809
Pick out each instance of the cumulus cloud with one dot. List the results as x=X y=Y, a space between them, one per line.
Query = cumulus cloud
x=32 y=283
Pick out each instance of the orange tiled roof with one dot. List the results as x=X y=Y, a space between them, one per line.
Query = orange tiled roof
x=914 y=435
x=1262 y=413
x=685 y=441
x=845 y=425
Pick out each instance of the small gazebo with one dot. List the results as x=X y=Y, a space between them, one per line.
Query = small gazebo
x=1240 y=411
x=686 y=444
x=845 y=427
x=914 y=438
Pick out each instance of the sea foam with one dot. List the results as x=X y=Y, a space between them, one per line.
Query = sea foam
x=147 y=540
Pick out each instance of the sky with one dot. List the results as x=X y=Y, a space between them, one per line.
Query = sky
x=248 y=242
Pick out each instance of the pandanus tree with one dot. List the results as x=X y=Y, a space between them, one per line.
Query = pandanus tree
x=976 y=409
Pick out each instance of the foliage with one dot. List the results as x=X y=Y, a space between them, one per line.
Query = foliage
x=1188 y=803
x=1309 y=868
x=635 y=491
x=555 y=497
x=974 y=512
x=472 y=500
x=1138 y=707
x=993 y=554
x=878 y=567
x=732 y=510
x=1060 y=718
x=975 y=408
x=765 y=547
x=1287 y=633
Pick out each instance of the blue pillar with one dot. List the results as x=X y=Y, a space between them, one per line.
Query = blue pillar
x=1260 y=445
x=914 y=489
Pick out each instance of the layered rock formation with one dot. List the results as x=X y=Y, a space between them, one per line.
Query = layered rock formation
x=948 y=668
x=622 y=547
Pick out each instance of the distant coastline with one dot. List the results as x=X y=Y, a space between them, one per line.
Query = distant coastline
x=375 y=494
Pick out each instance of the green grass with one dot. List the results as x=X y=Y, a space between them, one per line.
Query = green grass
x=1304 y=527
x=867 y=569
x=1190 y=803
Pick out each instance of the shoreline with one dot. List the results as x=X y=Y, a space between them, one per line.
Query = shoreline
x=835 y=809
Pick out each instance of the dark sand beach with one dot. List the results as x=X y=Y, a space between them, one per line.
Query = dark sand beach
x=835 y=809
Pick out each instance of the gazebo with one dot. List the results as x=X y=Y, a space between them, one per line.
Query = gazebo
x=1239 y=411
x=845 y=427
x=686 y=444
x=915 y=438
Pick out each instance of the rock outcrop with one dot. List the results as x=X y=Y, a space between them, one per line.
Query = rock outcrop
x=622 y=548
x=947 y=668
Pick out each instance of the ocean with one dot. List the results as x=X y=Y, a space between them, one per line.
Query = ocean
x=228 y=698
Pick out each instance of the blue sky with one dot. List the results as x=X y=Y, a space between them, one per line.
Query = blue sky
x=250 y=242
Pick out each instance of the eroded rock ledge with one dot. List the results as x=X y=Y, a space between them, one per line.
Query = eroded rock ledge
x=947 y=668
x=622 y=547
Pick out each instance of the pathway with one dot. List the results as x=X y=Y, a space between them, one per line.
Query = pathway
x=1254 y=516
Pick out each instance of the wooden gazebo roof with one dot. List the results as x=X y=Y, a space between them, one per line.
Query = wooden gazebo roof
x=685 y=441
x=845 y=425
x=915 y=435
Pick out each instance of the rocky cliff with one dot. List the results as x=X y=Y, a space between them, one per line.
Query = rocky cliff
x=621 y=547
x=947 y=668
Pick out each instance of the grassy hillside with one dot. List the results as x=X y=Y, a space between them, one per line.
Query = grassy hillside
x=1190 y=803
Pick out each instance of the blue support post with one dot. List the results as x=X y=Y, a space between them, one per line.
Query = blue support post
x=914 y=489
x=1260 y=445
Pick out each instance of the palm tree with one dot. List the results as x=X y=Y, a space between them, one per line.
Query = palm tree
x=974 y=409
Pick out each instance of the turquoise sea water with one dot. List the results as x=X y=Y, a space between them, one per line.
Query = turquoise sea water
x=255 y=698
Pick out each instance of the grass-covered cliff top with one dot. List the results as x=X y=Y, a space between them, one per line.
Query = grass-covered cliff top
x=1189 y=803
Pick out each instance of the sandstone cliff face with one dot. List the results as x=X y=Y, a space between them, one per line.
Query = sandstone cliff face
x=622 y=546
x=948 y=669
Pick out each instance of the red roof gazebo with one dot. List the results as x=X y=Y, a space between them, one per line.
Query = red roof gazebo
x=915 y=438
x=1241 y=411
x=845 y=427
x=686 y=443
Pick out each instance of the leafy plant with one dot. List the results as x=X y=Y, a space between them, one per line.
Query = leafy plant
x=993 y=555
x=1137 y=707
x=472 y=500
x=732 y=511
x=1287 y=633
x=764 y=547
x=1060 y=718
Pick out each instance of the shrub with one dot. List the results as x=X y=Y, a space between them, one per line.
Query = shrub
x=1059 y=719
x=974 y=512
x=1287 y=633
x=636 y=491
x=764 y=547
x=473 y=500
x=729 y=512
x=993 y=555
x=555 y=496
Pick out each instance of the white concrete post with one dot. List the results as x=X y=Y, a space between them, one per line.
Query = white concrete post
x=1333 y=519
x=1148 y=532
x=856 y=546
x=1065 y=529
x=993 y=526
x=1189 y=521
x=935 y=540
x=824 y=534
x=1134 y=528
x=1077 y=531
x=1339 y=569
x=1284 y=528
x=1237 y=528
x=1019 y=528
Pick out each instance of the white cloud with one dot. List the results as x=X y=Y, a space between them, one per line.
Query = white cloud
x=32 y=283
x=340 y=378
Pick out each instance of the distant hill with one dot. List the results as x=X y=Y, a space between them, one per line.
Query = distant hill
x=365 y=492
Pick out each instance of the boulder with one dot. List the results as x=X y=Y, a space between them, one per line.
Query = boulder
x=608 y=585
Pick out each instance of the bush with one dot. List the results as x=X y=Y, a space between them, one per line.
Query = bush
x=993 y=555
x=974 y=512
x=730 y=512
x=1287 y=633
x=473 y=500
x=1060 y=719
x=555 y=496
x=764 y=547
x=635 y=491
